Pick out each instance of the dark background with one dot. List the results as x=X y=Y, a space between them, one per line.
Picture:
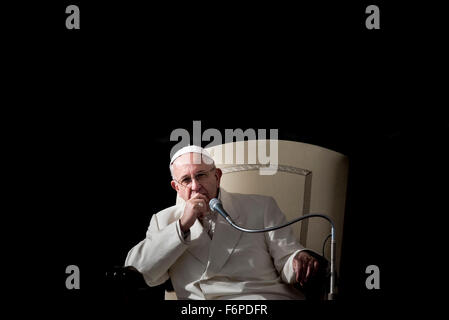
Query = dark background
x=96 y=106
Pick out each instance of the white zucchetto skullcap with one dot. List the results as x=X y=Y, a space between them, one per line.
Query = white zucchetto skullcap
x=190 y=149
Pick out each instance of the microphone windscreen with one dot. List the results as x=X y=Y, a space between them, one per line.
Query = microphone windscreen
x=213 y=203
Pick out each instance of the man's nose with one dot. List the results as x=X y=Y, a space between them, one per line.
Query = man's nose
x=195 y=185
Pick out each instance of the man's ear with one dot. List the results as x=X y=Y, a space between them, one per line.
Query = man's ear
x=218 y=173
x=174 y=185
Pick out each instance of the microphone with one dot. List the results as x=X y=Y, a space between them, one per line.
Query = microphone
x=216 y=205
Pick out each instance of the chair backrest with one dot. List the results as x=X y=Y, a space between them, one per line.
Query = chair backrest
x=309 y=179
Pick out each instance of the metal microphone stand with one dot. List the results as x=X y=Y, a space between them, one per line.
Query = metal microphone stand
x=215 y=205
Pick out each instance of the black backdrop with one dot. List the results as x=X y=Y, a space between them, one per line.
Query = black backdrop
x=94 y=146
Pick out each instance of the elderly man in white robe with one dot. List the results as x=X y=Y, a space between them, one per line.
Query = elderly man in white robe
x=204 y=256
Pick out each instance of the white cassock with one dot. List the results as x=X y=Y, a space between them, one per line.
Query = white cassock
x=231 y=265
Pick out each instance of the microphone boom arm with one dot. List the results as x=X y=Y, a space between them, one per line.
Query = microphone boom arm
x=215 y=205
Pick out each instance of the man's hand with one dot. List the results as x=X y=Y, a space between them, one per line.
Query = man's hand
x=197 y=206
x=305 y=267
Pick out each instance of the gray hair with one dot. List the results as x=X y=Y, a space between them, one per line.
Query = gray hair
x=204 y=158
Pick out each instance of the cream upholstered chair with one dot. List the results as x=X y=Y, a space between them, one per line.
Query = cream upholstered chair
x=309 y=179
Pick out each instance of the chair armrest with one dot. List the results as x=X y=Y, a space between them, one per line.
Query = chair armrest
x=127 y=285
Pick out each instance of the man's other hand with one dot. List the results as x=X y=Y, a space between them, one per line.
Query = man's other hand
x=305 y=267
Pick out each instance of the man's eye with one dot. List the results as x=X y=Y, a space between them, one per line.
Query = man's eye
x=200 y=175
x=185 y=181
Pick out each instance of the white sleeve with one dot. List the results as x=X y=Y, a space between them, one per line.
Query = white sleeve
x=154 y=255
x=282 y=243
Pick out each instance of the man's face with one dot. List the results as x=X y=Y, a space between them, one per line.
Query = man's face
x=193 y=176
